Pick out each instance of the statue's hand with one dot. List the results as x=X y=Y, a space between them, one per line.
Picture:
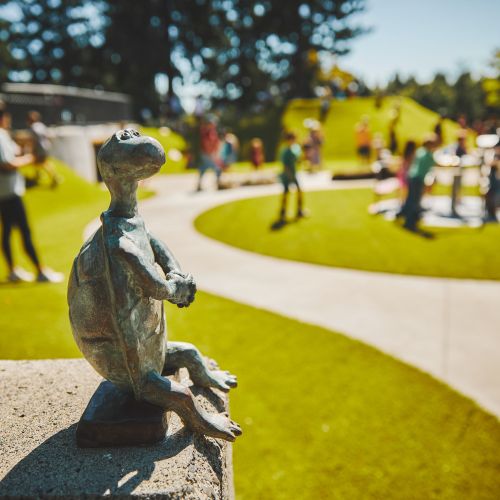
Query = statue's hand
x=182 y=288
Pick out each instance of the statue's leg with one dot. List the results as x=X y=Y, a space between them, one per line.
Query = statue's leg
x=175 y=397
x=184 y=355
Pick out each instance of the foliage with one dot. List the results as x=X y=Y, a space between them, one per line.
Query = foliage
x=55 y=41
x=245 y=50
x=341 y=233
x=474 y=98
x=5 y=56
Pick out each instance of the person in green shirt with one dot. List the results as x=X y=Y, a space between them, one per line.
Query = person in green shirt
x=421 y=166
x=289 y=158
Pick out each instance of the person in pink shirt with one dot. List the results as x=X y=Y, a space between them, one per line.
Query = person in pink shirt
x=210 y=145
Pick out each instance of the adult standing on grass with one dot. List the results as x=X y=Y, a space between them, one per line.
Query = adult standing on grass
x=12 y=211
x=210 y=146
x=289 y=158
x=420 y=167
x=404 y=167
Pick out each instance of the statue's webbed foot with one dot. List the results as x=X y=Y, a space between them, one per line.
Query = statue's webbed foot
x=203 y=372
x=219 y=379
x=219 y=425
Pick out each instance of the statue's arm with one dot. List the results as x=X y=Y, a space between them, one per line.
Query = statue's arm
x=146 y=275
x=164 y=256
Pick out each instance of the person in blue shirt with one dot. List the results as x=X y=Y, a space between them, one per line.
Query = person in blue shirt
x=289 y=158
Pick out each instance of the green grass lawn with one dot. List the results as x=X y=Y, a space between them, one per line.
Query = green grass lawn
x=341 y=233
x=323 y=416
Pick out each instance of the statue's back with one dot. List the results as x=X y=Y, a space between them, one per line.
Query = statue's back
x=91 y=312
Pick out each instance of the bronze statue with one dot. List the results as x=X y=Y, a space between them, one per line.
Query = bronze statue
x=116 y=290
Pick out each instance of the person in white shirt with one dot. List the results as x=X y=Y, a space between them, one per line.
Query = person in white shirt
x=12 y=211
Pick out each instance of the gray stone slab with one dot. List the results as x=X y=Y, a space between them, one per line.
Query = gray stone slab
x=115 y=418
x=41 y=403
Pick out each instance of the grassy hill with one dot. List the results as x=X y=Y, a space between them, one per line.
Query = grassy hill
x=415 y=121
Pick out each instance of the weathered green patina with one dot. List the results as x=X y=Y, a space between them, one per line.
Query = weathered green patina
x=116 y=290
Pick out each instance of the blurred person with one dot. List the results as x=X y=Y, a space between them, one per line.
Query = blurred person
x=421 y=166
x=462 y=121
x=460 y=150
x=12 y=211
x=289 y=157
x=493 y=192
x=378 y=146
x=256 y=153
x=363 y=138
x=229 y=150
x=210 y=146
x=461 y=145
x=438 y=131
x=41 y=146
x=404 y=167
x=325 y=104
x=393 y=139
x=491 y=196
x=313 y=146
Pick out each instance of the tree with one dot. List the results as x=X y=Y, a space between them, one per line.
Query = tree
x=54 y=41
x=5 y=56
x=395 y=85
x=465 y=96
x=291 y=35
x=469 y=97
x=159 y=37
x=245 y=50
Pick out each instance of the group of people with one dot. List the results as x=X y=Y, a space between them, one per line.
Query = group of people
x=12 y=189
x=217 y=152
x=415 y=165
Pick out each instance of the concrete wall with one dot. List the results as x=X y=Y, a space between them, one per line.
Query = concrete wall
x=75 y=146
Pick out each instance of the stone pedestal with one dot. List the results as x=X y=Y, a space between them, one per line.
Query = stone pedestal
x=42 y=402
x=113 y=418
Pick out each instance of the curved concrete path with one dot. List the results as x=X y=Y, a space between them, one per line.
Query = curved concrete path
x=450 y=328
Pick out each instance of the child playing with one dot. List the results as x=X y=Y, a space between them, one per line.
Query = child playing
x=289 y=157
x=256 y=153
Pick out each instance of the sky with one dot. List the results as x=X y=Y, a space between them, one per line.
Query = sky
x=421 y=37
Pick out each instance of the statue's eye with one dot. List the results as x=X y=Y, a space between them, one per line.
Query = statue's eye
x=135 y=133
x=124 y=136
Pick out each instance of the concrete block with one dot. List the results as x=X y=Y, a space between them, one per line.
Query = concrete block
x=42 y=401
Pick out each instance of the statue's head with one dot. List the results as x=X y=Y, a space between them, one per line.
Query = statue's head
x=127 y=155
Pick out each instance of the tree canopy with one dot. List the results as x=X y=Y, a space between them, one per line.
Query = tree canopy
x=244 y=51
x=476 y=98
